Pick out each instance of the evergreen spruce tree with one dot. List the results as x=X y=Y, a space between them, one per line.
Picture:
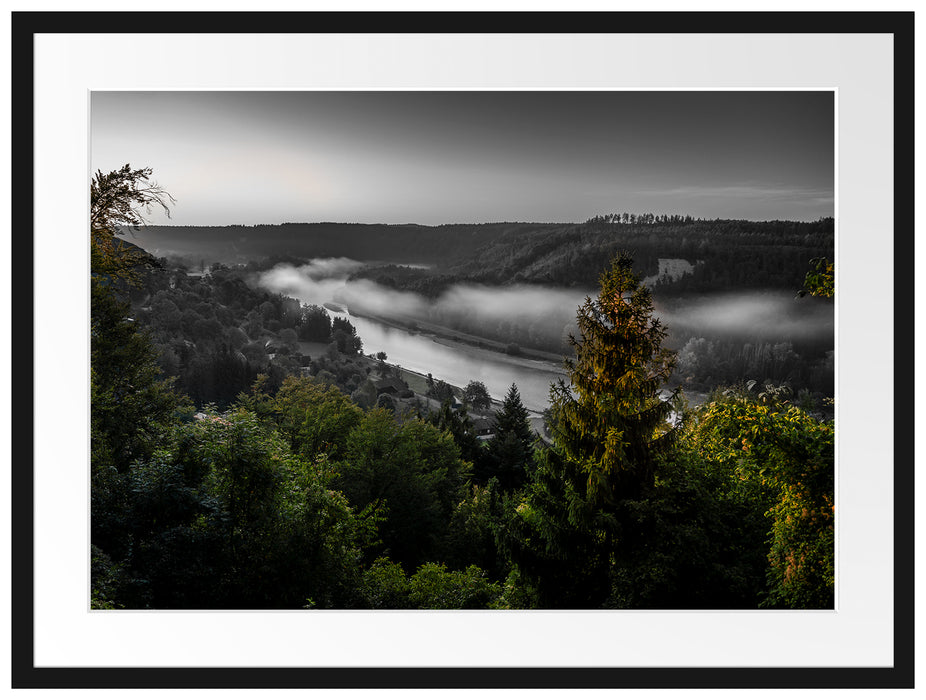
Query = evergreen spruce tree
x=460 y=426
x=510 y=450
x=611 y=420
x=609 y=428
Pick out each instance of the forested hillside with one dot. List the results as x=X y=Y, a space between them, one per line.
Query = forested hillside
x=725 y=254
x=301 y=487
x=408 y=243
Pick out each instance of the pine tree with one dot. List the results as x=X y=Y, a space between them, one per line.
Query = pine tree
x=609 y=428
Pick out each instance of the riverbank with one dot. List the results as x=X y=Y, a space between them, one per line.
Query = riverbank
x=418 y=383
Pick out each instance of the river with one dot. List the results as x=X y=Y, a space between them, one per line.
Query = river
x=457 y=363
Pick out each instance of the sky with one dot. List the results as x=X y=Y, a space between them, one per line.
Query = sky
x=431 y=157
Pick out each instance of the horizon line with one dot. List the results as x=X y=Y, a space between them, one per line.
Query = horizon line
x=694 y=219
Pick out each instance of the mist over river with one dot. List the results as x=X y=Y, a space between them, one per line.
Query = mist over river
x=746 y=317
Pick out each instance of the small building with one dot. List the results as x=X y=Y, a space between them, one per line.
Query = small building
x=484 y=428
x=391 y=386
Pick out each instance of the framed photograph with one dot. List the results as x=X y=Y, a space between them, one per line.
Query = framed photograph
x=325 y=168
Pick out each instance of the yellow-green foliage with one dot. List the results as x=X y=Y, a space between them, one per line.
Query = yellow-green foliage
x=786 y=456
x=316 y=417
x=821 y=280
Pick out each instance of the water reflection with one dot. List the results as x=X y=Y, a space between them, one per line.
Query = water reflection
x=459 y=364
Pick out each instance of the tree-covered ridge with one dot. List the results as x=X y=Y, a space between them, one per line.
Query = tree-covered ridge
x=305 y=490
x=398 y=243
x=725 y=253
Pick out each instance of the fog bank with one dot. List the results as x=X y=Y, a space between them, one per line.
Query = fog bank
x=537 y=316
x=540 y=311
x=771 y=315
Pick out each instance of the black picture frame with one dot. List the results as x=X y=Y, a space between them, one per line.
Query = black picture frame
x=25 y=674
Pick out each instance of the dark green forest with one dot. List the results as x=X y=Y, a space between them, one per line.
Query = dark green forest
x=230 y=469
